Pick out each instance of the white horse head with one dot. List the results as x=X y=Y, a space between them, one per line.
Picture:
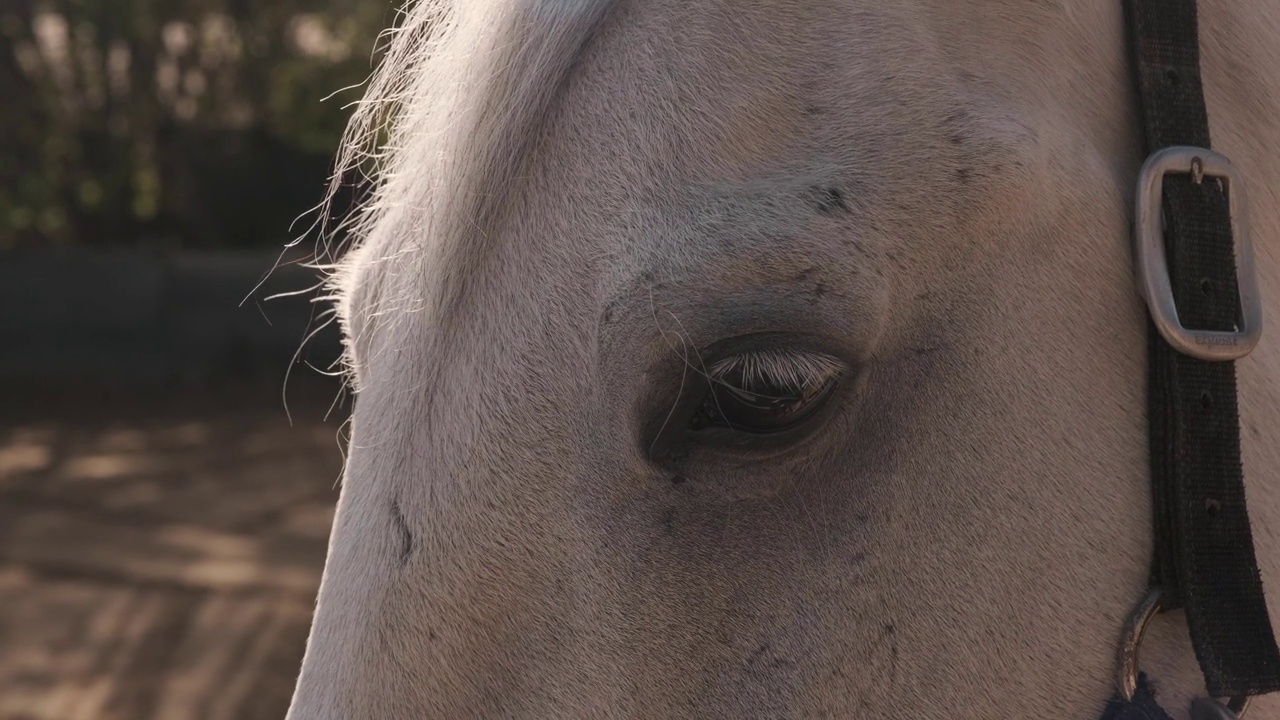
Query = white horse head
x=763 y=359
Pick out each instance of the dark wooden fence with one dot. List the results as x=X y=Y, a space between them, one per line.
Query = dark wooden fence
x=138 y=319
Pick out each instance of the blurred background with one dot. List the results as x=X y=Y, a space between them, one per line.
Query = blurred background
x=169 y=444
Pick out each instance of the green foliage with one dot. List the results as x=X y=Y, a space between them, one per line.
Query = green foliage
x=190 y=122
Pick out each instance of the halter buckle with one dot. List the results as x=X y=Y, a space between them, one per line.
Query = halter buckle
x=1151 y=266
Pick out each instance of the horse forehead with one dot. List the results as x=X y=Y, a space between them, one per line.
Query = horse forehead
x=766 y=128
x=788 y=127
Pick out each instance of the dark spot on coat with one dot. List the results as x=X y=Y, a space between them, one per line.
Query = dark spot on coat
x=830 y=200
x=814 y=110
x=609 y=311
x=668 y=519
x=402 y=529
x=955 y=123
x=764 y=659
x=964 y=174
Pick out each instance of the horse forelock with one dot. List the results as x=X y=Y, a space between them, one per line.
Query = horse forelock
x=441 y=138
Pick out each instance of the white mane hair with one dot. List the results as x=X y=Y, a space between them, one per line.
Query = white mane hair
x=448 y=117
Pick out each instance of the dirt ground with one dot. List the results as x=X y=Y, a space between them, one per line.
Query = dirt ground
x=160 y=553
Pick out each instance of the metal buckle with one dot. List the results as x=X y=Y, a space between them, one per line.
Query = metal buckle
x=1151 y=266
x=1134 y=630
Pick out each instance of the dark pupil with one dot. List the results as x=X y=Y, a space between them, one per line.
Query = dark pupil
x=757 y=406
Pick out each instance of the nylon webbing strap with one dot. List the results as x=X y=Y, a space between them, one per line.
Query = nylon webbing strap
x=1204 y=557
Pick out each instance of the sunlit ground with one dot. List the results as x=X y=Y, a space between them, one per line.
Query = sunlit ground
x=159 y=556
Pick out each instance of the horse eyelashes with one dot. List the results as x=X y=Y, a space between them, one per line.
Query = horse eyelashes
x=766 y=392
x=762 y=371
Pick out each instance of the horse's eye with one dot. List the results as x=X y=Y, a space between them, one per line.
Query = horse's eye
x=763 y=394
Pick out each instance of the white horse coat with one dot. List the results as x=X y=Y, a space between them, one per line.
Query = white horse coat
x=912 y=216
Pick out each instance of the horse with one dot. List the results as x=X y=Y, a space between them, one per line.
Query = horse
x=763 y=359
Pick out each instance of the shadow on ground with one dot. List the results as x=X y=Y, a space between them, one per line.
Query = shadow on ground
x=160 y=553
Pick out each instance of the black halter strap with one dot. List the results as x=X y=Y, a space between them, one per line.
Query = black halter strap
x=1204 y=556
